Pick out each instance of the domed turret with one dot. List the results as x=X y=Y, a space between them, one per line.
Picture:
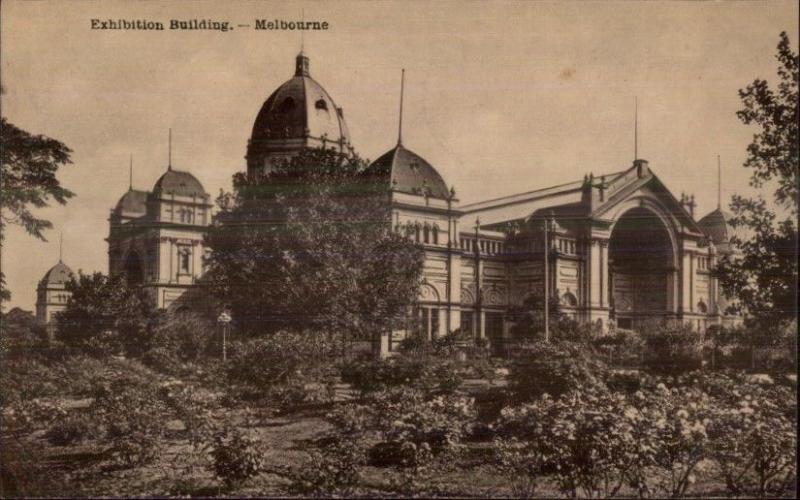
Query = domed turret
x=57 y=275
x=406 y=172
x=716 y=226
x=52 y=294
x=299 y=114
x=132 y=204
x=179 y=183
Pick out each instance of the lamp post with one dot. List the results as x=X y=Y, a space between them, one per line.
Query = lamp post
x=224 y=321
x=546 y=280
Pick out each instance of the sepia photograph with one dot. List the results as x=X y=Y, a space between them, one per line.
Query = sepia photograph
x=399 y=248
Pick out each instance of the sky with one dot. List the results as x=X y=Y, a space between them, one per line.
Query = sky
x=500 y=97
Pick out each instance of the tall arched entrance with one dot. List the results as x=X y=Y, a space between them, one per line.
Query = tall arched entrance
x=641 y=267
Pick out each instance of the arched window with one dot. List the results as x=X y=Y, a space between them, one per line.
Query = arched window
x=416 y=232
x=426 y=233
x=702 y=307
x=287 y=105
x=321 y=104
x=569 y=299
x=435 y=235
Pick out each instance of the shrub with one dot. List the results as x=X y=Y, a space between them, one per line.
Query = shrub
x=182 y=336
x=754 y=440
x=236 y=457
x=621 y=348
x=673 y=349
x=553 y=368
x=521 y=464
x=27 y=415
x=134 y=418
x=334 y=470
x=74 y=429
x=429 y=374
x=584 y=439
x=404 y=428
x=284 y=367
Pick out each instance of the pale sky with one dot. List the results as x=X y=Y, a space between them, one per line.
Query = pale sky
x=501 y=97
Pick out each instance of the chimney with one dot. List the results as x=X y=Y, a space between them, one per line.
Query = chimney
x=641 y=168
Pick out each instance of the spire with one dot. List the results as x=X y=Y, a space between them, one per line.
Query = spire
x=130 y=174
x=636 y=128
x=169 y=160
x=60 y=246
x=302 y=30
x=400 y=124
x=719 y=185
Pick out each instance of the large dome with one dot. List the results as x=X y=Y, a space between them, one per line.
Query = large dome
x=179 y=183
x=57 y=275
x=300 y=113
x=406 y=172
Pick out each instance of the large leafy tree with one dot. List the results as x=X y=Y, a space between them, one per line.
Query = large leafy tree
x=105 y=315
x=763 y=276
x=309 y=246
x=28 y=167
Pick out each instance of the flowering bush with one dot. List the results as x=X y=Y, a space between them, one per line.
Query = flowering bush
x=73 y=429
x=28 y=415
x=676 y=421
x=426 y=373
x=236 y=457
x=521 y=463
x=673 y=348
x=553 y=368
x=283 y=368
x=404 y=428
x=754 y=440
x=584 y=439
x=335 y=470
x=134 y=420
x=622 y=348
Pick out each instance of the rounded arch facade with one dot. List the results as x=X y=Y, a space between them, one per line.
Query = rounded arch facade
x=642 y=263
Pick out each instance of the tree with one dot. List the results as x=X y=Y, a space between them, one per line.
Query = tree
x=762 y=275
x=19 y=328
x=105 y=314
x=309 y=246
x=528 y=318
x=28 y=166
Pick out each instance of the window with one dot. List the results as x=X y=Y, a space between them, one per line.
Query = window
x=466 y=323
x=426 y=233
x=287 y=105
x=321 y=104
x=435 y=235
x=184 y=260
x=494 y=325
x=434 y=331
x=416 y=229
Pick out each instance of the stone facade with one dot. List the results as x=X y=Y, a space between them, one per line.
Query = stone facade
x=52 y=295
x=621 y=249
x=156 y=237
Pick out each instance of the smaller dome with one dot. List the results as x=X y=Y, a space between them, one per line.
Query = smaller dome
x=407 y=172
x=57 y=275
x=179 y=183
x=134 y=201
x=717 y=227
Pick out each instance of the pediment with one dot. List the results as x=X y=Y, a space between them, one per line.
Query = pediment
x=647 y=190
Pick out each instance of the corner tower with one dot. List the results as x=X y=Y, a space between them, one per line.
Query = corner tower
x=299 y=114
